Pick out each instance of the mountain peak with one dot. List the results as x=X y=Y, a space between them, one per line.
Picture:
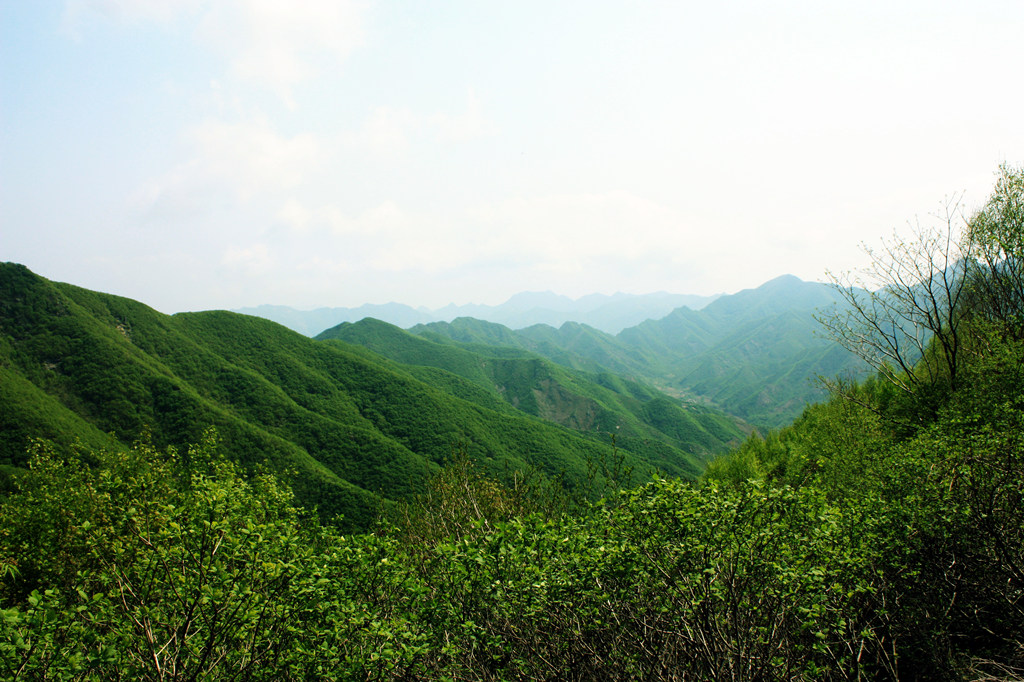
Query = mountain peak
x=782 y=280
x=538 y=299
x=787 y=292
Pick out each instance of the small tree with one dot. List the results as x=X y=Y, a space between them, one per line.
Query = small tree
x=997 y=235
x=907 y=313
x=902 y=313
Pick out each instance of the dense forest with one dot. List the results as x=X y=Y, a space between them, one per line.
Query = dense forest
x=349 y=429
x=879 y=536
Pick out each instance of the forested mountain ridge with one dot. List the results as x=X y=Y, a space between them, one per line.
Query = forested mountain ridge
x=581 y=401
x=359 y=430
x=756 y=354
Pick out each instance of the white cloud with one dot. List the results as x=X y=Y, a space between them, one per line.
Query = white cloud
x=757 y=143
x=386 y=132
x=565 y=234
x=385 y=220
x=296 y=216
x=239 y=160
x=465 y=126
x=252 y=156
x=390 y=131
x=78 y=13
x=279 y=44
x=564 y=228
x=272 y=43
x=252 y=260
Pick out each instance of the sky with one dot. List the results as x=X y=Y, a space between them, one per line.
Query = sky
x=204 y=154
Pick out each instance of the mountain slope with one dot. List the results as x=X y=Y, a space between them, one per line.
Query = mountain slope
x=357 y=429
x=584 y=402
x=759 y=352
x=755 y=354
x=572 y=345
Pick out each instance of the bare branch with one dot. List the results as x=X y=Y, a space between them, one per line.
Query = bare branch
x=902 y=314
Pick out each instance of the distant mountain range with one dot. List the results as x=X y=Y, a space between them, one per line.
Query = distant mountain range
x=609 y=314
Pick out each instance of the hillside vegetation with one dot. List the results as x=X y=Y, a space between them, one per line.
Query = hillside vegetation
x=351 y=430
x=639 y=416
x=756 y=354
x=880 y=536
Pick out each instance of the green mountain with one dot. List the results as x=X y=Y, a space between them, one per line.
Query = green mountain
x=357 y=429
x=572 y=345
x=591 y=403
x=755 y=354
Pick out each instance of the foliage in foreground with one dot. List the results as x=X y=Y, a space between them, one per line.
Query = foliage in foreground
x=143 y=567
x=149 y=564
x=947 y=493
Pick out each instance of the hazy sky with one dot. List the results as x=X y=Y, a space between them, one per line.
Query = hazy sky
x=197 y=154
